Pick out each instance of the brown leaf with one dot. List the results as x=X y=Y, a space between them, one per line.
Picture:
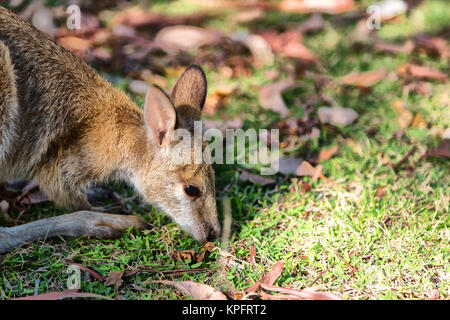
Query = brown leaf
x=93 y=273
x=267 y=279
x=75 y=44
x=251 y=259
x=299 y=167
x=139 y=87
x=337 y=116
x=34 y=198
x=198 y=291
x=185 y=38
x=433 y=45
x=258 y=46
x=114 y=278
x=207 y=247
x=270 y=96
x=62 y=295
x=249 y=15
x=305 y=186
x=289 y=44
x=255 y=178
x=420 y=87
x=305 y=294
x=420 y=72
x=183 y=255
x=326 y=154
x=137 y=17
x=363 y=79
x=325 y=6
x=406 y=48
x=4 y=208
x=191 y=255
x=305 y=169
x=218 y=98
x=418 y=122
x=314 y=23
x=381 y=192
x=404 y=116
x=442 y=150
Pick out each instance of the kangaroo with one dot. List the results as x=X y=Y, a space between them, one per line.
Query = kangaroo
x=67 y=128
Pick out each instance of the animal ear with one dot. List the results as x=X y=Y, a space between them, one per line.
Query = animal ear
x=189 y=93
x=159 y=115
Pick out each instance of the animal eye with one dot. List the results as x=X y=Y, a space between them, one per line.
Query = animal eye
x=191 y=191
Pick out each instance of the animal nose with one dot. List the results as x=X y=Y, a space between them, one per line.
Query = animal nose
x=212 y=234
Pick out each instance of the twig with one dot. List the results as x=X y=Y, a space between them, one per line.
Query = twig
x=227 y=218
x=397 y=165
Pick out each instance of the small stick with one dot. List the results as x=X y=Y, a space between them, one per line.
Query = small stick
x=404 y=159
x=227 y=218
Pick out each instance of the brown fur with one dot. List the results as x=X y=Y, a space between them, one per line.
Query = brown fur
x=67 y=128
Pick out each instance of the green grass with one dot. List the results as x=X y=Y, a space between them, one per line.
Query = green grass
x=337 y=235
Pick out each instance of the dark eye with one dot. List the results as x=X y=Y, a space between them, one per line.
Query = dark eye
x=191 y=191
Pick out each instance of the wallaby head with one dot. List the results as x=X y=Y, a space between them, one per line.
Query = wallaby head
x=184 y=191
x=69 y=129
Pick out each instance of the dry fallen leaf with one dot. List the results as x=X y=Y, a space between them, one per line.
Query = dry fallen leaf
x=305 y=294
x=363 y=79
x=406 y=48
x=299 y=167
x=326 y=154
x=258 y=46
x=34 y=198
x=114 y=278
x=255 y=178
x=191 y=255
x=139 y=87
x=74 y=44
x=381 y=192
x=185 y=38
x=337 y=116
x=442 y=150
x=418 y=122
x=270 y=96
x=198 y=291
x=138 y=17
x=4 y=208
x=325 y=6
x=420 y=87
x=289 y=44
x=93 y=273
x=433 y=45
x=183 y=255
x=314 y=23
x=62 y=295
x=421 y=72
x=218 y=98
x=249 y=15
x=404 y=116
x=267 y=279
x=251 y=259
